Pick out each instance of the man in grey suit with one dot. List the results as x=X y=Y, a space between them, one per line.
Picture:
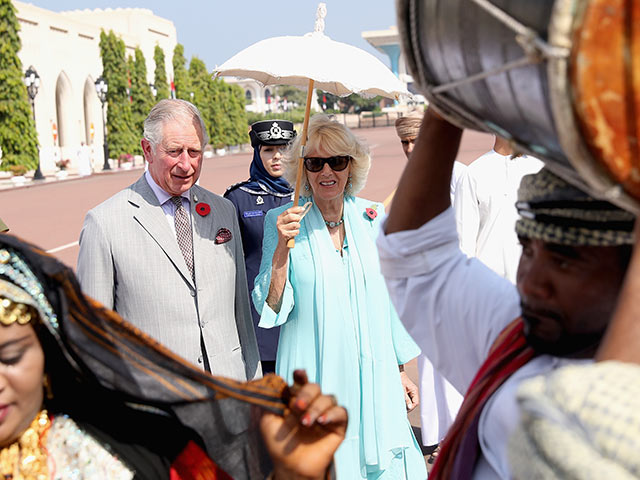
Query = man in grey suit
x=166 y=254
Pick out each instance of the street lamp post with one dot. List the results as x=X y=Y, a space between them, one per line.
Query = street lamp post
x=101 y=89
x=32 y=82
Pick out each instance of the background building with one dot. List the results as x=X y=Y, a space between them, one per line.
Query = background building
x=64 y=49
x=388 y=42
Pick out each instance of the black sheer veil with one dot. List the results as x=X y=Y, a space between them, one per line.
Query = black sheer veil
x=98 y=361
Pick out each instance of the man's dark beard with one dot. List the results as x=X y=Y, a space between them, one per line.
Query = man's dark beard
x=572 y=346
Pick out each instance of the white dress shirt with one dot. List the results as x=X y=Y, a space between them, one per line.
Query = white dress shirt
x=485 y=200
x=454 y=307
x=167 y=205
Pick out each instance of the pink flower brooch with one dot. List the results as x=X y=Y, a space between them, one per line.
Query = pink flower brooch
x=371 y=212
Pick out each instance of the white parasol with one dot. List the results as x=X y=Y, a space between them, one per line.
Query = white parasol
x=313 y=61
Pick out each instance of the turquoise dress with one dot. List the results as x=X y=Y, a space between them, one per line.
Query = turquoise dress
x=339 y=325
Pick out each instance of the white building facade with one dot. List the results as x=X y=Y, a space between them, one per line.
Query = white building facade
x=64 y=50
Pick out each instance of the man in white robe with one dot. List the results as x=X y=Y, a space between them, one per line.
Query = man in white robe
x=439 y=400
x=485 y=207
x=460 y=312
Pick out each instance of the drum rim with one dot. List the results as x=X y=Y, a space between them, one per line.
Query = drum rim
x=587 y=174
x=599 y=181
x=445 y=107
x=448 y=108
x=406 y=18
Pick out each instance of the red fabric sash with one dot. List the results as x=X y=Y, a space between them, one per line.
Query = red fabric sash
x=194 y=464
x=460 y=448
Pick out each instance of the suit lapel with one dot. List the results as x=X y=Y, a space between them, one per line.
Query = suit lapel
x=148 y=212
x=202 y=230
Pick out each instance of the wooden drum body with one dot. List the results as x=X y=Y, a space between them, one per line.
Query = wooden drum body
x=557 y=77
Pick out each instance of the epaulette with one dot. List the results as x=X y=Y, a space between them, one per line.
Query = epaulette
x=272 y=192
x=254 y=192
x=236 y=185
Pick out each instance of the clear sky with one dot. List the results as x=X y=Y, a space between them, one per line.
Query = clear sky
x=215 y=30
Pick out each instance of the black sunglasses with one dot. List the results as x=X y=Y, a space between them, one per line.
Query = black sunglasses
x=337 y=163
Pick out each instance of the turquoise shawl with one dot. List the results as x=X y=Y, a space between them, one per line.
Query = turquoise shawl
x=335 y=315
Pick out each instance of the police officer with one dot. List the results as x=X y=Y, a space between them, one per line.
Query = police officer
x=265 y=189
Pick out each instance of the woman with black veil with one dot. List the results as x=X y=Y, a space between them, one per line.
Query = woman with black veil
x=83 y=394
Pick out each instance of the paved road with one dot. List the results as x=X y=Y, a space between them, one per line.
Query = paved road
x=51 y=215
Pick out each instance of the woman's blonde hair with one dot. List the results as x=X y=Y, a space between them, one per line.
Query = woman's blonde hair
x=332 y=138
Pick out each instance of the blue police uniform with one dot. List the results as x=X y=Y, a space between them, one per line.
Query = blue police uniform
x=253 y=199
x=252 y=205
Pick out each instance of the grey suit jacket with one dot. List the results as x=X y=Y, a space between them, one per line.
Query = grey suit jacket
x=130 y=261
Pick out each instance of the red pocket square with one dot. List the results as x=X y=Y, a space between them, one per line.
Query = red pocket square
x=223 y=236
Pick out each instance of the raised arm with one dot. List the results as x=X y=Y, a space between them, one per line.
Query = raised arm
x=467 y=214
x=622 y=340
x=453 y=307
x=424 y=188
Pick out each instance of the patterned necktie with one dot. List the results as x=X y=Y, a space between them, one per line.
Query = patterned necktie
x=183 y=233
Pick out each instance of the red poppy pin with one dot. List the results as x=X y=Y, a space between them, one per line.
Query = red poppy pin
x=203 y=209
x=223 y=236
x=371 y=212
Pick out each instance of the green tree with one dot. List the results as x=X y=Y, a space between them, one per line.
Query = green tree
x=142 y=98
x=180 y=74
x=216 y=113
x=292 y=94
x=201 y=86
x=353 y=103
x=121 y=135
x=363 y=104
x=18 y=137
x=236 y=128
x=221 y=105
x=160 y=74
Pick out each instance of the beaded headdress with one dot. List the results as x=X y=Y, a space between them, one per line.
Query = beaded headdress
x=97 y=360
x=554 y=211
x=21 y=289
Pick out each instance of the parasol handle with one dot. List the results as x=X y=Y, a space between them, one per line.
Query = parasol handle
x=296 y=196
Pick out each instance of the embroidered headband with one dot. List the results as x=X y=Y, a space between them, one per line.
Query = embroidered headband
x=19 y=290
x=554 y=211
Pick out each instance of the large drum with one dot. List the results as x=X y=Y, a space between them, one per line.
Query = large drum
x=561 y=79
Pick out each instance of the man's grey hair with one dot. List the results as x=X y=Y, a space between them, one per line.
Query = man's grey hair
x=168 y=110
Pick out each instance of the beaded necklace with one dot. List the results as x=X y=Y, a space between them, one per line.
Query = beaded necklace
x=334 y=224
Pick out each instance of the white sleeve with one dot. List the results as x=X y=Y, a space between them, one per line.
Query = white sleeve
x=467 y=213
x=454 y=307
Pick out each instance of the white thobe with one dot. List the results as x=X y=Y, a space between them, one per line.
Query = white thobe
x=485 y=201
x=454 y=307
x=457 y=173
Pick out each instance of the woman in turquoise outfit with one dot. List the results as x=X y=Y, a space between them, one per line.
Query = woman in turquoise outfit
x=331 y=302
